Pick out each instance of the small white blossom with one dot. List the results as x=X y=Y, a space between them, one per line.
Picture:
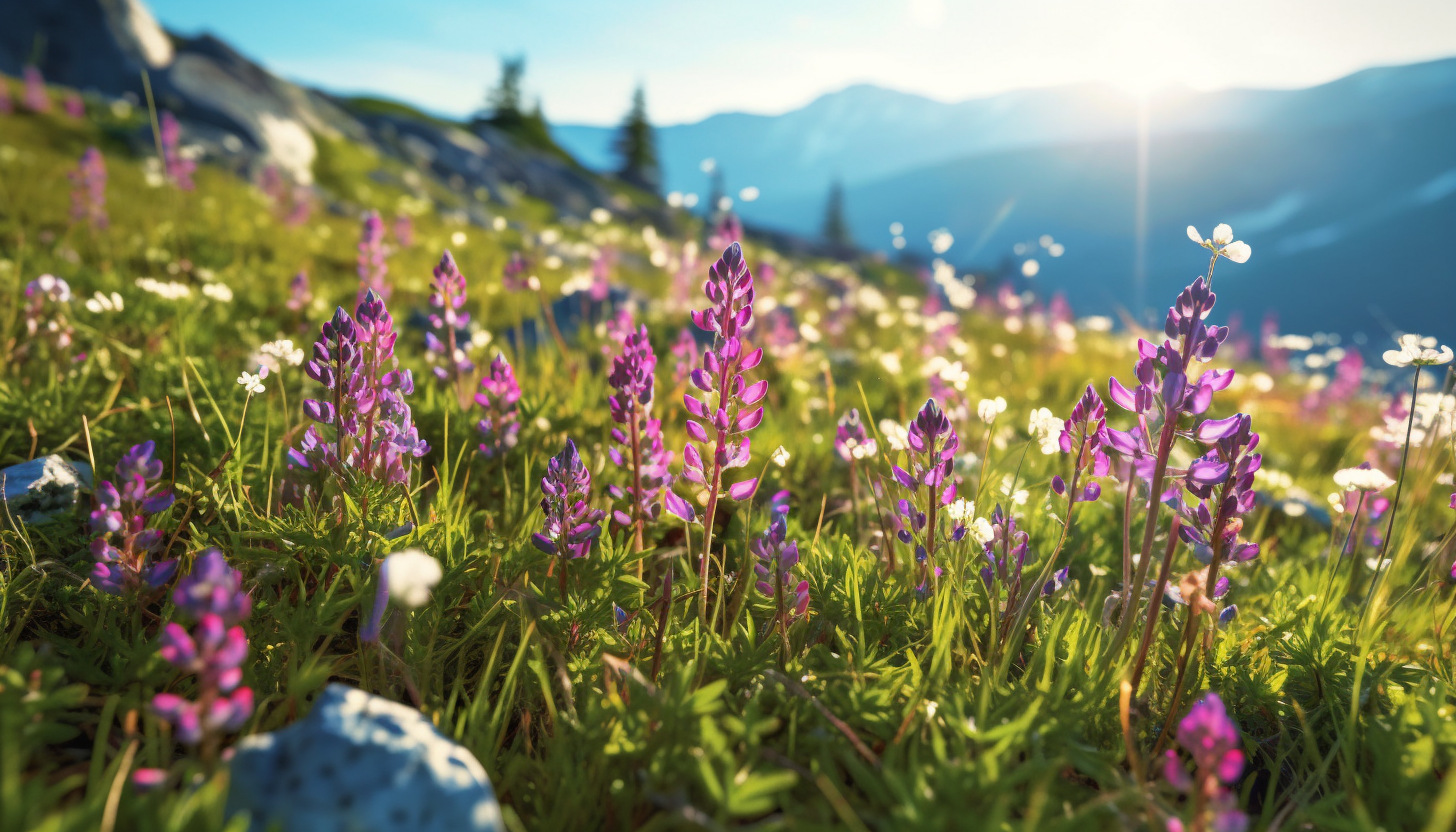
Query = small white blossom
x=1046 y=428
x=895 y=434
x=961 y=510
x=980 y=530
x=284 y=351
x=219 y=292
x=780 y=456
x=411 y=575
x=989 y=409
x=1223 y=243
x=101 y=302
x=1418 y=351
x=169 y=290
x=1362 y=479
x=253 y=383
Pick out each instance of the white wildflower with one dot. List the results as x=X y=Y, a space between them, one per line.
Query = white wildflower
x=101 y=302
x=980 y=530
x=780 y=456
x=961 y=510
x=1362 y=479
x=411 y=575
x=1223 y=243
x=219 y=292
x=989 y=409
x=253 y=383
x=895 y=434
x=169 y=290
x=284 y=351
x=1418 y=351
x=1046 y=428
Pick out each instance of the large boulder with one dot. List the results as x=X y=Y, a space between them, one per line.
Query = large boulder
x=361 y=763
x=43 y=488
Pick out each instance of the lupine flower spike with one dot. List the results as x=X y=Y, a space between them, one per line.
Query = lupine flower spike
x=37 y=100
x=1211 y=740
x=179 y=167
x=638 y=436
x=47 y=325
x=571 y=526
x=776 y=557
x=447 y=296
x=499 y=396
x=731 y=408
x=88 y=190
x=370 y=263
x=124 y=546
x=214 y=650
x=930 y=446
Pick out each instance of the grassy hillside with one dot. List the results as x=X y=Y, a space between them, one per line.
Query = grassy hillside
x=909 y=695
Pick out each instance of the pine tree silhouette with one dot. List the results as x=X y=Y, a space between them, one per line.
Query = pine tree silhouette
x=836 y=227
x=636 y=146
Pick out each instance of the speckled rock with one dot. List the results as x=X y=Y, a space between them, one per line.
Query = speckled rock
x=43 y=488
x=361 y=763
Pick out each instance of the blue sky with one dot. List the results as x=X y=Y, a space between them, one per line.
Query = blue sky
x=768 y=56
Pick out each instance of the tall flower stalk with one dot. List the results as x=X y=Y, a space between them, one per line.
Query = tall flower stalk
x=638 y=436
x=931 y=443
x=179 y=168
x=370 y=263
x=776 y=556
x=1164 y=393
x=719 y=423
x=124 y=546
x=88 y=190
x=499 y=396
x=571 y=526
x=447 y=296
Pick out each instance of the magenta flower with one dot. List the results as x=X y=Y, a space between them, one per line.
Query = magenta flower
x=1212 y=741
x=851 y=440
x=404 y=230
x=213 y=650
x=776 y=557
x=74 y=106
x=370 y=263
x=571 y=526
x=88 y=191
x=685 y=355
x=37 y=100
x=514 y=275
x=124 y=546
x=450 y=362
x=638 y=436
x=929 y=485
x=179 y=168
x=499 y=396
x=1084 y=435
x=299 y=293
x=374 y=433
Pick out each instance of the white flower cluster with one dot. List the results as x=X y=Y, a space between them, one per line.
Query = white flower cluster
x=274 y=354
x=101 y=302
x=411 y=576
x=1435 y=414
x=251 y=382
x=54 y=288
x=895 y=434
x=780 y=456
x=1362 y=479
x=989 y=409
x=170 y=290
x=219 y=292
x=1418 y=351
x=1045 y=428
x=1223 y=243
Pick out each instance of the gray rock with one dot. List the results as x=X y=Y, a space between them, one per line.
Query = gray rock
x=361 y=763
x=43 y=488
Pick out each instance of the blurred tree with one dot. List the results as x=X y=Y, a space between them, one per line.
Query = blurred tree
x=636 y=146
x=506 y=105
x=836 y=227
x=715 y=192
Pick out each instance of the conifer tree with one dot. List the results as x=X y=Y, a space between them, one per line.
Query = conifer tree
x=636 y=146
x=836 y=227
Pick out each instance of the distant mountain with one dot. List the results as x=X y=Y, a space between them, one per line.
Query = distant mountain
x=1342 y=188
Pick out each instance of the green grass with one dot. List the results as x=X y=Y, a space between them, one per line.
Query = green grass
x=878 y=712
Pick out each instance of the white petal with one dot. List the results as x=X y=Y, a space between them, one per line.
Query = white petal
x=1396 y=358
x=1194 y=235
x=1238 y=251
x=1223 y=235
x=1445 y=356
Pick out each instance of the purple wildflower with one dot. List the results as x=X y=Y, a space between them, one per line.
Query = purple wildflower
x=214 y=651
x=928 y=483
x=299 y=293
x=685 y=353
x=88 y=192
x=728 y=231
x=1212 y=741
x=571 y=526
x=404 y=230
x=47 y=299
x=1084 y=435
x=179 y=168
x=851 y=440
x=1006 y=554
x=514 y=275
x=123 y=546
x=37 y=100
x=373 y=429
x=74 y=106
x=370 y=262
x=638 y=435
x=448 y=295
x=499 y=394
x=776 y=557
x=301 y=208
x=270 y=182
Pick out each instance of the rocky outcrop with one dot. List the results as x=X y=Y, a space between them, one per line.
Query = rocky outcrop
x=238 y=112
